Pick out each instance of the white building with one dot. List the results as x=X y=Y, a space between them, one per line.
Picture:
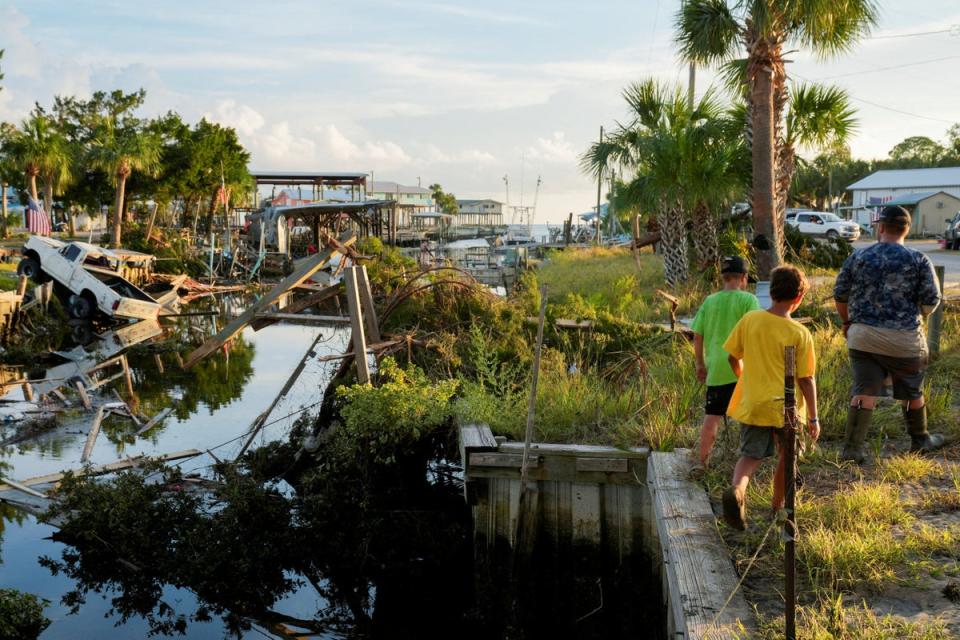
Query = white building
x=418 y=199
x=881 y=187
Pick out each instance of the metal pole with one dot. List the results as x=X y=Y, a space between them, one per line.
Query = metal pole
x=789 y=472
x=936 y=318
x=599 y=186
x=532 y=402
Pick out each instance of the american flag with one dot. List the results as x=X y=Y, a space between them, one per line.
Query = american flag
x=38 y=222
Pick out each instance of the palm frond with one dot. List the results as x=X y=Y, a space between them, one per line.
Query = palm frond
x=831 y=27
x=820 y=116
x=707 y=31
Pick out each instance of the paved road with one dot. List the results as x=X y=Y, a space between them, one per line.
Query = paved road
x=949 y=259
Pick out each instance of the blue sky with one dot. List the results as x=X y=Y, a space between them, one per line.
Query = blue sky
x=451 y=92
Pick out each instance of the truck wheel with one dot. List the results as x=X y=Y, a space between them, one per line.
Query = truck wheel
x=832 y=234
x=31 y=268
x=956 y=244
x=81 y=307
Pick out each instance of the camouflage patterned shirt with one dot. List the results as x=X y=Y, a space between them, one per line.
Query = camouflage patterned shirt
x=886 y=284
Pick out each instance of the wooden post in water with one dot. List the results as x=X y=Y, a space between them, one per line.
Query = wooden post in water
x=366 y=303
x=356 y=323
x=526 y=526
x=936 y=319
x=789 y=472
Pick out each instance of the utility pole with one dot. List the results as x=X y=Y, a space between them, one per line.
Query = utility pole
x=599 y=189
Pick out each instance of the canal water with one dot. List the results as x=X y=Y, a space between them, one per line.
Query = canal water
x=426 y=589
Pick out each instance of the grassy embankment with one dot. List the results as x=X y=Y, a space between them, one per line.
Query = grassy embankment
x=891 y=525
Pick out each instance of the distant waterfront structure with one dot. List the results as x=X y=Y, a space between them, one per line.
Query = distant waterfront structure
x=929 y=192
x=480 y=212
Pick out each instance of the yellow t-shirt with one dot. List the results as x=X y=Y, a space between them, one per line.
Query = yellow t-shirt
x=759 y=339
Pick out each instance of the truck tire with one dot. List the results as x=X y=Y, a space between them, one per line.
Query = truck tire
x=30 y=267
x=81 y=307
x=832 y=234
x=956 y=244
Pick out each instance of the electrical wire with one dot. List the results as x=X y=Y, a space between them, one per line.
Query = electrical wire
x=953 y=31
x=890 y=68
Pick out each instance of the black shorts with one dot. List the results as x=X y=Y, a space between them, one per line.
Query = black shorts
x=871 y=369
x=718 y=399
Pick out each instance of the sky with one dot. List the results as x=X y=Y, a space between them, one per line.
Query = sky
x=460 y=93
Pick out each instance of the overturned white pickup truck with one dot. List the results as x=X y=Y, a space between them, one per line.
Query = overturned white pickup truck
x=90 y=276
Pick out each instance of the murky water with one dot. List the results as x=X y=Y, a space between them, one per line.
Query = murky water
x=213 y=404
x=421 y=585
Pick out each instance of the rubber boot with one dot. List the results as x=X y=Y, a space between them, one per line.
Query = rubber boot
x=921 y=440
x=858 y=424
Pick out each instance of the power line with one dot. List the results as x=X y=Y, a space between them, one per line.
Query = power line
x=906 y=113
x=896 y=66
x=953 y=30
x=883 y=106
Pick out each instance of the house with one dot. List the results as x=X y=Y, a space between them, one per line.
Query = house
x=415 y=199
x=930 y=211
x=292 y=198
x=881 y=187
x=480 y=212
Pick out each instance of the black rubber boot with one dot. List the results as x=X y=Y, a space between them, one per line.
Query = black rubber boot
x=858 y=424
x=921 y=440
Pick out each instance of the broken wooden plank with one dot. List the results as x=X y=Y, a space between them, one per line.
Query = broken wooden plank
x=20 y=487
x=370 y=322
x=302 y=318
x=110 y=467
x=301 y=305
x=356 y=322
x=237 y=324
x=92 y=436
x=155 y=420
x=84 y=398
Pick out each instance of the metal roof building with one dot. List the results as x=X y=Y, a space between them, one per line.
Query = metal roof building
x=911 y=185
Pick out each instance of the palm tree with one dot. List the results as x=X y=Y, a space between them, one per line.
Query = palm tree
x=119 y=151
x=682 y=161
x=42 y=151
x=819 y=118
x=718 y=31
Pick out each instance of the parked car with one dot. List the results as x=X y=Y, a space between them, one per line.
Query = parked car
x=88 y=276
x=952 y=232
x=824 y=225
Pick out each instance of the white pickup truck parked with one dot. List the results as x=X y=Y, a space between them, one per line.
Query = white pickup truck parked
x=90 y=276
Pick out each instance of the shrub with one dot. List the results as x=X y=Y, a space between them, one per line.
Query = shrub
x=21 y=615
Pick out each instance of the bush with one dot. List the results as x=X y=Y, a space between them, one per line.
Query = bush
x=21 y=615
x=813 y=252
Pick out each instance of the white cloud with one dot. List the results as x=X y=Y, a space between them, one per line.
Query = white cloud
x=556 y=148
x=245 y=119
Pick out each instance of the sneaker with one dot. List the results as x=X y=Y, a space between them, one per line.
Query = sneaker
x=734 y=509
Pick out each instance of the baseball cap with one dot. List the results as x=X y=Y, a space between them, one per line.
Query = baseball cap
x=735 y=264
x=895 y=215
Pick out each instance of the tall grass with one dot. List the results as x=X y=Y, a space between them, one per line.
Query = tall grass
x=581 y=283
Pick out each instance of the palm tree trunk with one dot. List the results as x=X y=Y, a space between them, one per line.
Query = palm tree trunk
x=48 y=198
x=118 y=211
x=786 y=168
x=3 y=222
x=705 y=238
x=33 y=186
x=71 y=222
x=765 y=240
x=673 y=242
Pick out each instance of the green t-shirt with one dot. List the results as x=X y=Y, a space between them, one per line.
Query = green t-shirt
x=716 y=318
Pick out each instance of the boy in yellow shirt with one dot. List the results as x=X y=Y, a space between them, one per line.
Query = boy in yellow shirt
x=757 y=403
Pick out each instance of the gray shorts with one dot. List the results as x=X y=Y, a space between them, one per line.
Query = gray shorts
x=871 y=369
x=759 y=442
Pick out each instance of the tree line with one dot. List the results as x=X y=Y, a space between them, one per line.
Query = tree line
x=686 y=161
x=85 y=153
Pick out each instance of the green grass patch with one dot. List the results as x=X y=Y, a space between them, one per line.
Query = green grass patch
x=909 y=467
x=833 y=619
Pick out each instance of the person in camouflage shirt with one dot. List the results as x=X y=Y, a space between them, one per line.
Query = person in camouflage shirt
x=881 y=294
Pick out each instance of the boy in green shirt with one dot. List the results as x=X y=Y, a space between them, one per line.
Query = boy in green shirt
x=715 y=319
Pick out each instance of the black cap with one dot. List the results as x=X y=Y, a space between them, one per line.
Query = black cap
x=733 y=264
x=895 y=215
